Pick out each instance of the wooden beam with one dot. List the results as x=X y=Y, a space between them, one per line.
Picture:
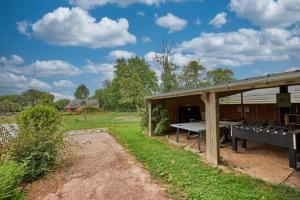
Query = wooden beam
x=149 y=119
x=242 y=104
x=212 y=128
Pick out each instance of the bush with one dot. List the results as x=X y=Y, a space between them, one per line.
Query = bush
x=39 y=143
x=160 y=120
x=10 y=179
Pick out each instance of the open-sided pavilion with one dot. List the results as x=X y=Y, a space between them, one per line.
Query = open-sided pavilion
x=208 y=100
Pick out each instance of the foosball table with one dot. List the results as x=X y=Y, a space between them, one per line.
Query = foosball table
x=274 y=135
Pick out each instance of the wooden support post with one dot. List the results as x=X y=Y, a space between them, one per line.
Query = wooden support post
x=149 y=119
x=242 y=104
x=212 y=128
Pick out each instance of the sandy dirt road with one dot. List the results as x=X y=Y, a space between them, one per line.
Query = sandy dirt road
x=100 y=168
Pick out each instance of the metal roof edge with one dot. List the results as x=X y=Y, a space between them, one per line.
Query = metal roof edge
x=233 y=85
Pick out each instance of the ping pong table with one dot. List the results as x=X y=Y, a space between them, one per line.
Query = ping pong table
x=199 y=128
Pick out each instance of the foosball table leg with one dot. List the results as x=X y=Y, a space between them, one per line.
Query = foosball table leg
x=293 y=159
x=234 y=144
x=244 y=144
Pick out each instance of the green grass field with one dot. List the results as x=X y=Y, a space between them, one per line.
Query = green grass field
x=184 y=174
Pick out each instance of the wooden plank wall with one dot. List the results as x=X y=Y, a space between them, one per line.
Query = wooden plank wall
x=172 y=105
x=257 y=112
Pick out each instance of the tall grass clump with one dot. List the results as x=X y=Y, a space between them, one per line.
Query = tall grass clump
x=39 y=143
x=11 y=175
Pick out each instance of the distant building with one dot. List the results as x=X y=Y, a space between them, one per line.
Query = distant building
x=77 y=104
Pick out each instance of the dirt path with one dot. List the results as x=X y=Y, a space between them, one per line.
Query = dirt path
x=100 y=169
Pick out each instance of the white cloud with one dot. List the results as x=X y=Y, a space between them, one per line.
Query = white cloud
x=198 y=21
x=291 y=69
x=76 y=27
x=10 y=82
x=58 y=68
x=149 y=57
x=58 y=96
x=48 y=68
x=171 y=22
x=24 y=27
x=113 y=55
x=244 y=46
x=178 y=59
x=63 y=84
x=89 y=4
x=105 y=69
x=146 y=39
x=140 y=13
x=219 y=20
x=182 y=60
x=260 y=73
x=12 y=61
x=268 y=13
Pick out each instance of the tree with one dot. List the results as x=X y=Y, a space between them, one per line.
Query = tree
x=31 y=97
x=219 y=76
x=193 y=75
x=82 y=92
x=164 y=60
x=10 y=103
x=61 y=104
x=99 y=94
x=135 y=80
x=46 y=99
x=9 y=106
x=111 y=95
x=15 y=98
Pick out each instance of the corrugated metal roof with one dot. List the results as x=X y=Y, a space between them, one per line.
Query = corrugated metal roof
x=268 y=81
x=262 y=96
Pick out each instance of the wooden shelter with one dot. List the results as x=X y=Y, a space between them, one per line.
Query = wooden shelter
x=208 y=99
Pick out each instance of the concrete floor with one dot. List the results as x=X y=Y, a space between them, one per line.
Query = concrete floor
x=261 y=161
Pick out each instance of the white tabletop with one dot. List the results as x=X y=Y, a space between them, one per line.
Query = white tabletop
x=200 y=126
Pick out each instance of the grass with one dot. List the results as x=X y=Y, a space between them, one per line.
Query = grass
x=184 y=174
x=7 y=119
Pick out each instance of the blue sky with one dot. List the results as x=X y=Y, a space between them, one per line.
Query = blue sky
x=55 y=45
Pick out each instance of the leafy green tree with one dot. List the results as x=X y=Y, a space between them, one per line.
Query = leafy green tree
x=61 y=104
x=31 y=97
x=112 y=95
x=15 y=98
x=193 y=75
x=99 y=94
x=164 y=60
x=82 y=92
x=46 y=99
x=8 y=106
x=135 y=80
x=219 y=76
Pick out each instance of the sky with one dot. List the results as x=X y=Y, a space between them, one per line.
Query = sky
x=56 y=45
